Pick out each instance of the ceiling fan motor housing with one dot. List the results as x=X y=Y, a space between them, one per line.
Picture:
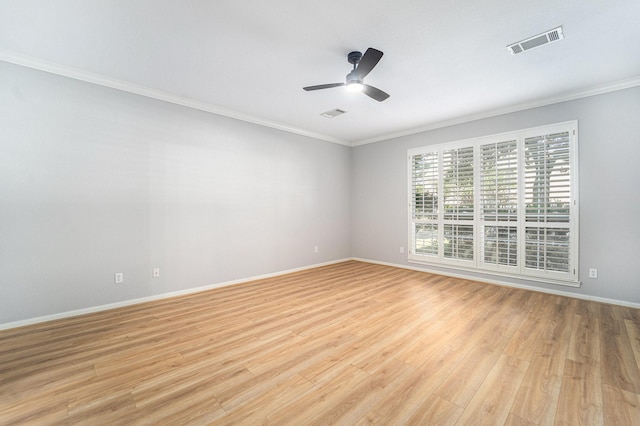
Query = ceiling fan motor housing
x=354 y=57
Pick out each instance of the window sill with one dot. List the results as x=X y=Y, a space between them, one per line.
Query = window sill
x=484 y=272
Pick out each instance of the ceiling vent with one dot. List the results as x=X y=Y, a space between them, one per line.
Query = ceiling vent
x=333 y=113
x=536 y=41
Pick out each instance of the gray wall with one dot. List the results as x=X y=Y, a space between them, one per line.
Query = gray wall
x=95 y=181
x=609 y=156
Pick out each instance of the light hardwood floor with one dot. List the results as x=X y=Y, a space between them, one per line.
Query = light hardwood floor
x=351 y=343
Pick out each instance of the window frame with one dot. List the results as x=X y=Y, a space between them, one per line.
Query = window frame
x=478 y=264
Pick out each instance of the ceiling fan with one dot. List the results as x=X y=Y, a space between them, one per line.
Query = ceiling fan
x=362 y=65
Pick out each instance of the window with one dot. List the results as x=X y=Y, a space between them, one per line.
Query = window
x=503 y=204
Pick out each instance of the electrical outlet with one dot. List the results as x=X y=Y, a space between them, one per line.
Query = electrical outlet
x=593 y=273
x=119 y=277
x=401 y=250
x=315 y=249
x=156 y=273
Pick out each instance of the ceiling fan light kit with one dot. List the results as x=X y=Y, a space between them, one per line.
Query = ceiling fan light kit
x=354 y=84
x=355 y=87
x=362 y=66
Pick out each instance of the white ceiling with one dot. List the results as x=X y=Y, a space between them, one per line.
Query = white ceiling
x=444 y=61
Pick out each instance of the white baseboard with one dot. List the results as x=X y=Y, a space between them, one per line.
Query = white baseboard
x=506 y=284
x=130 y=302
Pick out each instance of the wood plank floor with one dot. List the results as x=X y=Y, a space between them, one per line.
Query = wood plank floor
x=351 y=343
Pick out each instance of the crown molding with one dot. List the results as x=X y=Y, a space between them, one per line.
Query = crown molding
x=77 y=74
x=88 y=77
x=597 y=90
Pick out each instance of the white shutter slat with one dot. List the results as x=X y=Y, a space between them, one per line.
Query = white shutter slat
x=458 y=203
x=425 y=186
x=548 y=202
x=511 y=198
x=424 y=203
x=499 y=202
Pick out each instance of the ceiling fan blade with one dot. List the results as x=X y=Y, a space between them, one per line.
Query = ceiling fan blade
x=375 y=93
x=323 y=86
x=369 y=60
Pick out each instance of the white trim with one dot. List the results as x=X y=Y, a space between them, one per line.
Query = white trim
x=597 y=90
x=504 y=283
x=492 y=137
x=77 y=74
x=78 y=312
x=568 y=278
x=130 y=302
x=537 y=278
x=88 y=77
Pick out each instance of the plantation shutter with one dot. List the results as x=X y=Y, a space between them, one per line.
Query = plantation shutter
x=424 y=190
x=502 y=204
x=458 y=203
x=548 y=202
x=499 y=204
